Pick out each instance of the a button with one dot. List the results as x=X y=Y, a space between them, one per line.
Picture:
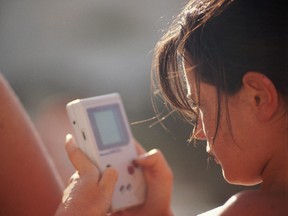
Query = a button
x=128 y=187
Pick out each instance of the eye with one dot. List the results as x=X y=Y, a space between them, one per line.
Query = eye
x=195 y=108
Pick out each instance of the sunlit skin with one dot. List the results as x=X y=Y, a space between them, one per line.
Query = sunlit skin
x=251 y=143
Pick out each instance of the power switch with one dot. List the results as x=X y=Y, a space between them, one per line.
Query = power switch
x=83 y=135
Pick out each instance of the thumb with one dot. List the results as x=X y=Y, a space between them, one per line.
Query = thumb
x=155 y=162
x=149 y=159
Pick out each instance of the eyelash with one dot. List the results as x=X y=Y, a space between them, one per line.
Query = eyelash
x=193 y=104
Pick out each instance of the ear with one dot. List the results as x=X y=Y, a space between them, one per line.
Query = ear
x=262 y=94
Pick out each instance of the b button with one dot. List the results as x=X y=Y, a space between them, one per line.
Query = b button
x=131 y=170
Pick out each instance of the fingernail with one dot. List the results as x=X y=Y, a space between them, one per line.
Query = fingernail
x=69 y=143
x=148 y=154
x=68 y=138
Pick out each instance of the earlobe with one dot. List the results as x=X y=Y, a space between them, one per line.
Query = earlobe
x=262 y=93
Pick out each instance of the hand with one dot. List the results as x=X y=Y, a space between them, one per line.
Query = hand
x=159 y=179
x=88 y=192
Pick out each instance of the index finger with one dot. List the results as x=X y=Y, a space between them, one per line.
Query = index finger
x=79 y=160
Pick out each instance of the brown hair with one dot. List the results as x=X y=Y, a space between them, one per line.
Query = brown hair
x=223 y=39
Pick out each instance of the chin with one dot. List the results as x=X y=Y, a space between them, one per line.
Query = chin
x=237 y=179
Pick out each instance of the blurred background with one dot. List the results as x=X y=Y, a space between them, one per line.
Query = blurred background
x=58 y=50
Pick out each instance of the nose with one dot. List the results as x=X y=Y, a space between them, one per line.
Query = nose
x=208 y=149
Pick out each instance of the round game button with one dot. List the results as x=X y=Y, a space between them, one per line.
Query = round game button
x=131 y=170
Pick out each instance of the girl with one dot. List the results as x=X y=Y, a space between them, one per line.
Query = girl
x=222 y=64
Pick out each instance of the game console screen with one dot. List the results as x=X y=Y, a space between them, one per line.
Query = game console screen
x=108 y=126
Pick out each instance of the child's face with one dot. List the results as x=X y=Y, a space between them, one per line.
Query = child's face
x=237 y=146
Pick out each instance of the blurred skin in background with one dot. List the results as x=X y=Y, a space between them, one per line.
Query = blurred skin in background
x=52 y=123
x=28 y=183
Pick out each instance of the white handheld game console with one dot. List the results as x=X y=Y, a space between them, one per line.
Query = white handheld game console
x=102 y=131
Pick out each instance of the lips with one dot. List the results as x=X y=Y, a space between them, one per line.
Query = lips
x=213 y=157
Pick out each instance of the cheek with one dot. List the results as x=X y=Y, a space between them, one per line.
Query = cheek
x=223 y=145
x=235 y=155
x=208 y=120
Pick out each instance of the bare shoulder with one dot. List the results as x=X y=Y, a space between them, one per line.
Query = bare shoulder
x=252 y=203
x=3 y=82
x=5 y=88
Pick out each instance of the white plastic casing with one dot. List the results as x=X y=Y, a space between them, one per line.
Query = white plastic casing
x=130 y=188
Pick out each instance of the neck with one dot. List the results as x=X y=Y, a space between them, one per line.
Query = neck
x=275 y=173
